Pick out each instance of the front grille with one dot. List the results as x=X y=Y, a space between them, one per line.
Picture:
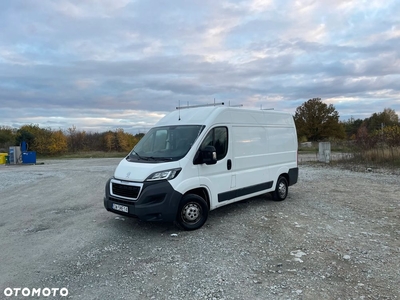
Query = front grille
x=127 y=191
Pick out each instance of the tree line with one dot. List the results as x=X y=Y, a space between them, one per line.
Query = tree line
x=46 y=141
x=376 y=138
x=315 y=121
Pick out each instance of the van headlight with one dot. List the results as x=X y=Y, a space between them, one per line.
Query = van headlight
x=164 y=175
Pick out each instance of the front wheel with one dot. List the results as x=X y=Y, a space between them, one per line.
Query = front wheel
x=281 y=189
x=192 y=212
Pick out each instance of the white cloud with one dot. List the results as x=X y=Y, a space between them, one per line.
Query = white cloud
x=260 y=5
x=95 y=63
x=88 y=8
x=85 y=83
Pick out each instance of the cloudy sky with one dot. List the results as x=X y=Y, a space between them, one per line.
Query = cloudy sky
x=104 y=64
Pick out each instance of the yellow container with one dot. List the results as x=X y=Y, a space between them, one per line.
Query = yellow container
x=3 y=158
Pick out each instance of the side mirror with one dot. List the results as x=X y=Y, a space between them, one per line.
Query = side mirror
x=209 y=155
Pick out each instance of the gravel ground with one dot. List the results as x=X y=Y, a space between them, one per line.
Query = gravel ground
x=336 y=236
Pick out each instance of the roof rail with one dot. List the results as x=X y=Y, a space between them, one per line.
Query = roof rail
x=201 y=105
x=269 y=108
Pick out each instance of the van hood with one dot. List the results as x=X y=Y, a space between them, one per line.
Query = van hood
x=138 y=171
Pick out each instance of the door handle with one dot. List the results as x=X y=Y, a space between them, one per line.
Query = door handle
x=229 y=164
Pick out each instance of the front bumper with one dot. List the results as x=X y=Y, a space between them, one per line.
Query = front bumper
x=158 y=201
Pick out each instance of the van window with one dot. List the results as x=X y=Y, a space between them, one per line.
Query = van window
x=165 y=143
x=217 y=137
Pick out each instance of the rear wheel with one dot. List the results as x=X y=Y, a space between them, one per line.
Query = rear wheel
x=192 y=212
x=281 y=189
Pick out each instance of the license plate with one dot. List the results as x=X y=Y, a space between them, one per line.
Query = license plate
x=120 y=207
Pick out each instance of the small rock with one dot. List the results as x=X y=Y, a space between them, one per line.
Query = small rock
x=299 y=292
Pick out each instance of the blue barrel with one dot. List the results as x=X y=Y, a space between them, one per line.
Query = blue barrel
x=24 y=146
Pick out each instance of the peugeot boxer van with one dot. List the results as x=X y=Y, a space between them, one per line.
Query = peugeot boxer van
x=197 y=159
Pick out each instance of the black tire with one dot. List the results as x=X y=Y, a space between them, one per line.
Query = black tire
x=192 y=212
x=281 y=190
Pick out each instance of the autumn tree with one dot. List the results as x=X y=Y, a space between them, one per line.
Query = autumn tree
x=392 y=138
x=122 y=141
x=72 y=139
x=351 y=127
x=94 y=141
x=363 y=139
x=75 y=139
x=316 y=121
x=41 y=141
x=377 y=121
x=7 y=138
x=57 y=143
x=119 y=140
x=46 y=141
x=109 y=141
x=31 y=135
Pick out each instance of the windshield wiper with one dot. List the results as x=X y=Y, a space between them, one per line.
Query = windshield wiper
x=140 y=157
x=159 y=158
x=163 y=158
x=152 y=157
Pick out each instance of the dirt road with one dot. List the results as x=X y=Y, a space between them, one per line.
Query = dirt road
x=337 y=236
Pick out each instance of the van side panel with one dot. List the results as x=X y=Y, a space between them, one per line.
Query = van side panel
x=264 y=146
x=281 y=140
x=250 y=150
x=282 y=148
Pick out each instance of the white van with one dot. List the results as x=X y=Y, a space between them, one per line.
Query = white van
x=197 y=159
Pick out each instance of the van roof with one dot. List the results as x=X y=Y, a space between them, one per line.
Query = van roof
x=225 y=115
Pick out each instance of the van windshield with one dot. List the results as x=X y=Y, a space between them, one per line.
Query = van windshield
x=167 y=143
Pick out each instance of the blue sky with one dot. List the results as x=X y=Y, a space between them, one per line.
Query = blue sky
x=104 y=64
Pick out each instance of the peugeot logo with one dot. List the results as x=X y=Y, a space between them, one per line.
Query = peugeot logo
x=128 y=174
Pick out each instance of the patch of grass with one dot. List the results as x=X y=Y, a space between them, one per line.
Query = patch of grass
x=88 y=154
x=344 y=146
x=381 y=156
x=374 y=158
x=308 y=150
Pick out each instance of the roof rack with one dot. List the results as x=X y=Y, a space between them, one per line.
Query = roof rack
x=201 y=105
x=270 y=108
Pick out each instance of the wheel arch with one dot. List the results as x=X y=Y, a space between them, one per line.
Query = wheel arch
x=285 y=175
x=202 y=192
